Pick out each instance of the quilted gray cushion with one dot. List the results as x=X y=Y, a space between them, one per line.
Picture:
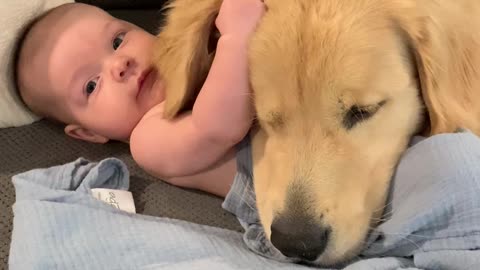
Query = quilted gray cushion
x=43 y=144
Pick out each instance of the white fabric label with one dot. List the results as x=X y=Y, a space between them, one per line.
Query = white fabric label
x=120 y=199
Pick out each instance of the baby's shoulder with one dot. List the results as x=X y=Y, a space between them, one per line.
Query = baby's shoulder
x=146 y=124
x=156 y=111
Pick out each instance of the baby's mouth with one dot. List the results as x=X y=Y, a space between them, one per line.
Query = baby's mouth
x=145 y=80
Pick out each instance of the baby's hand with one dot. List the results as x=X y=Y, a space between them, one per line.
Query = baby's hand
x=239 y=18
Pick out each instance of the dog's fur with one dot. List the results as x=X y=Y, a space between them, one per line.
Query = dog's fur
x=339 y=87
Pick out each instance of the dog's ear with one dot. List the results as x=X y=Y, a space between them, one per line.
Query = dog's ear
x=443 y=55
x=181 y=52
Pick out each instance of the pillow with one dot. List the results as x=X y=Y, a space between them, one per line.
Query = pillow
x=14 y=17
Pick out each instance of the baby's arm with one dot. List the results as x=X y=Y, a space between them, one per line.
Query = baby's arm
x=224 y=106
x=174 y=148
x=222 y=113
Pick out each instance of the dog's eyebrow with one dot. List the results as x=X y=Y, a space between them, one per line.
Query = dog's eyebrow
x=276 y=119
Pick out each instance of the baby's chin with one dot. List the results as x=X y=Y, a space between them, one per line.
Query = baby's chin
x=152 y=91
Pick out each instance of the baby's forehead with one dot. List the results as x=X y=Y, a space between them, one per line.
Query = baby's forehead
x=59 y=22
x=65 y=21
x=75 y=13
x=42 y=43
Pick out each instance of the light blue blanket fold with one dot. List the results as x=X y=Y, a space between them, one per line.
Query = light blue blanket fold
x=59 y=225
x=435 y=221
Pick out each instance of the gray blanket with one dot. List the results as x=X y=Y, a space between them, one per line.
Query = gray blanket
x=58 y=224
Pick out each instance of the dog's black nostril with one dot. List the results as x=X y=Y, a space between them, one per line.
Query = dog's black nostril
x=299 y=237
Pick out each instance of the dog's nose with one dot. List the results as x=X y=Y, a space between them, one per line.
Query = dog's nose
x=299 y=237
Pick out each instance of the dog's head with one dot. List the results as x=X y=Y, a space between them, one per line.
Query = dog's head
x=339 y=88
x=337 y=100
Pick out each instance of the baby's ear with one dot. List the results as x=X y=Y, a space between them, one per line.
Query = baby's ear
x=80 y=133
x=181 y=52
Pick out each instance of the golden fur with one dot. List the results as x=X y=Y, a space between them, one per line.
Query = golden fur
x=318 y=66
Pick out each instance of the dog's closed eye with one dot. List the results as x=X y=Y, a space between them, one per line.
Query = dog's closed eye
x=357 y=114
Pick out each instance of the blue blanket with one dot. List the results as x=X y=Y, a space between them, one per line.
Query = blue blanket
x=58 y=224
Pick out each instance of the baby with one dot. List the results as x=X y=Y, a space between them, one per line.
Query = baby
x=80 y=66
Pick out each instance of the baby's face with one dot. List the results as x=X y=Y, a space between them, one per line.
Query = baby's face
x=99 y=68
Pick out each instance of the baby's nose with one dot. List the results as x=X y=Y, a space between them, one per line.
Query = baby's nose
x=122 y=66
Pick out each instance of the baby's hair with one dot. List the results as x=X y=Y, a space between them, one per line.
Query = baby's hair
x=19 y=46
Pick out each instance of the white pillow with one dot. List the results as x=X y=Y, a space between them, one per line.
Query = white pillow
x=15 y=15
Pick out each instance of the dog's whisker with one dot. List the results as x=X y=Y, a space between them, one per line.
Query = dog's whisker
x=380 y=219
x=382 y=208
x=406 y=237
x=410 y=234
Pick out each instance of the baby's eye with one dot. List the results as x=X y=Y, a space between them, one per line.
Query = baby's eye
x=91 y=86
x=117 y=41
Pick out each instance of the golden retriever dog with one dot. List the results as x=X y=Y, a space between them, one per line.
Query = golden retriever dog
x=339 y=87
